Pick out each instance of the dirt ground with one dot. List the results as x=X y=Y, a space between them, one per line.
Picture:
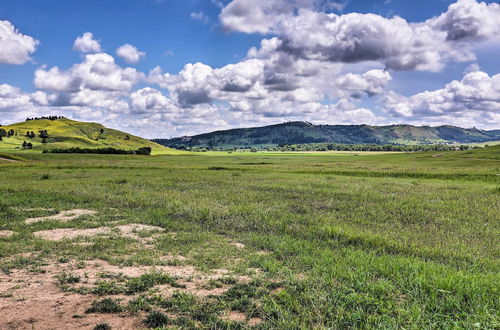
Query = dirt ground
x=33 y=299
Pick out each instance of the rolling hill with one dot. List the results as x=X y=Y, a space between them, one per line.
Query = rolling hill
x=67 y=133
x=302 y=132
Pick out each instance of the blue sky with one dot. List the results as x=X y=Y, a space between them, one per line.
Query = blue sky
x=325 y=62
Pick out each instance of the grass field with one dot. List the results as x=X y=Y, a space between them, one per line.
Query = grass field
x=262 y=240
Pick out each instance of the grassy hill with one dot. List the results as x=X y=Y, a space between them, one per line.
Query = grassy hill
x=302 y=132
x=67 y=133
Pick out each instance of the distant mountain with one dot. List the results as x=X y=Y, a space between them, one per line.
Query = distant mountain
x=303 y=132
x=66 y=133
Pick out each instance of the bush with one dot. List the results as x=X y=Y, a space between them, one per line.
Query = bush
x=102 y=326
x=105 y=305
x=156 y=319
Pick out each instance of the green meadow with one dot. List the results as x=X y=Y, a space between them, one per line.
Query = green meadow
x=319 y=240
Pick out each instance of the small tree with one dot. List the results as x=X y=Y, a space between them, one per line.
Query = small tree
x=127 y=137
x=43 y=134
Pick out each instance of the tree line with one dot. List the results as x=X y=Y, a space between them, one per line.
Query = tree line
x=340 y=147
x=46 y=118
x=109 y=151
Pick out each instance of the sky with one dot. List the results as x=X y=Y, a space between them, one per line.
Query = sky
x=164 y=68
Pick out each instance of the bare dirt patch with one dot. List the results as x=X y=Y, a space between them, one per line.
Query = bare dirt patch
x=70 y=233
x=6 y=233
x=63 y=216
x=131 y=231
x=236 y=316
x=35 y=300
x=240 y=246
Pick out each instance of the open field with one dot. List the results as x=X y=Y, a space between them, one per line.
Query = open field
x=264 y=240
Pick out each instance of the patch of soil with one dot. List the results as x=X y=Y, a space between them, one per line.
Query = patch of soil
x=70 y=233
x=236 y=316
x=34 y=301
x=63 y=216
x=130 y=231
x=6 y=233
x=240 y=246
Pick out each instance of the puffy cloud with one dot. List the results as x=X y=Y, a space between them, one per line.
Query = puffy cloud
x=15 y=47
x=250 y=16
x=150 y=100
x=130 y=53
x=96 y=72
x=87 y=44
x=468 y=20
x=475 y=98
x=12 y=97
x=370 y=83
x=315 y=35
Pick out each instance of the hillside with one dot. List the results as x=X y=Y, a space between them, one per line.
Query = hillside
x=302 y=132
x=67 y=133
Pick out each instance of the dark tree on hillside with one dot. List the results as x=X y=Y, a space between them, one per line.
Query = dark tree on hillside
x=44 y=140
x=127 y=137
x=24 y=145
x=10 y=132
x=43 y=134
x=3 y=132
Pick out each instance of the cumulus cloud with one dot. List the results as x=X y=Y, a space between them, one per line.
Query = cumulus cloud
x=475 y=97
x=150 y=100
x=15 y=47
x=130 y=53
x=468 y=20
x=12 y=98
x=96 y=72
x=252 y=16
x=316 y=35
x=87 y=44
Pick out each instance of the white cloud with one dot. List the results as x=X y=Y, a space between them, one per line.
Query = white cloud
x=12 y=98
x=251 y=16
x=130 y=53
x=96 y=72
x=15 y=47
x=87 y=44
x=307 y=33
x=475 y=98
x=150 y=100
x=469 y=20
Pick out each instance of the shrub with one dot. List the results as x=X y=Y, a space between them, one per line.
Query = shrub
x=156 y=319
x=102 y=326
x=106 y=305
